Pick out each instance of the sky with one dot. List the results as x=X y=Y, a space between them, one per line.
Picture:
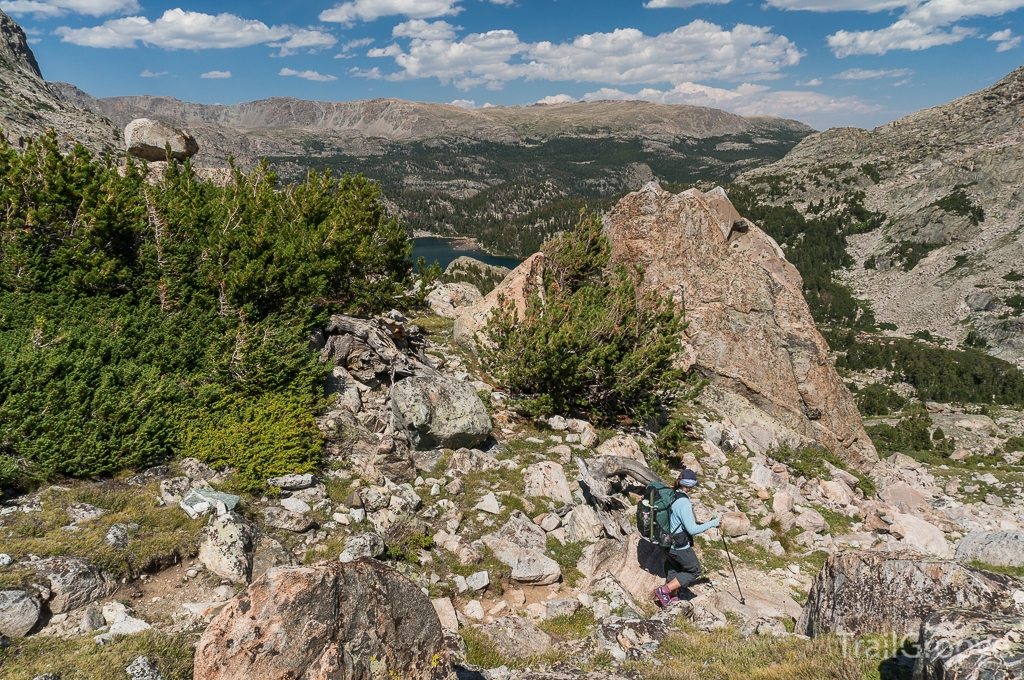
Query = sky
x=824 y=62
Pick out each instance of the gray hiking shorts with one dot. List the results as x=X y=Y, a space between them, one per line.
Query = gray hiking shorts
x=682 y=564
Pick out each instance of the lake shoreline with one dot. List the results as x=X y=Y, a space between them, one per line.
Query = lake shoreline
x=445 y=249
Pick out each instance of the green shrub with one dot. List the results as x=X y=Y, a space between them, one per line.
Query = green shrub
x=133 y=312
x=912 y=434
x=879 y=400
x=592 y=342
x=959 y=203
x=1014 y=444
x=810 y=462
x=260 y=437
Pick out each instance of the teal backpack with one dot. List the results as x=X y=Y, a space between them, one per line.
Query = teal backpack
x=654 y=515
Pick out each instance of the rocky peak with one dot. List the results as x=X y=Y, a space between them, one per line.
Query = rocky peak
x=14 y=49
x=750 y=331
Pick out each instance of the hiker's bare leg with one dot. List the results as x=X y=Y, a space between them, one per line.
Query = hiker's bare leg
x=672 y=586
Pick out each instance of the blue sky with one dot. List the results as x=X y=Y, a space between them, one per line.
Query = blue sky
x=825 y=62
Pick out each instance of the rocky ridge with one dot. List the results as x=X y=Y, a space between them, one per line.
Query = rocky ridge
x=283 y=126
x=948 y=178
x=28 y=106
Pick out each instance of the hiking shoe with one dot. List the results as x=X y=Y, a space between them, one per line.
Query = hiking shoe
x=664 y=597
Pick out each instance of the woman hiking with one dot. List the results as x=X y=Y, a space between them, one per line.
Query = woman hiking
x=682 y=567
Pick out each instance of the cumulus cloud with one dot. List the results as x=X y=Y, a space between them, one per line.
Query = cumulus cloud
x=659 y=4
x=748 y=99
x=368 y=10
x=557 y=99
x=149 y=74
x=698 y=50
x=813 y=82
x=347 y=48
x=216 y=75
x=902 y=35
x=307 y=75
x=304 y=39
x=1006 y=39
x=862 y=74
x=42 y=9
x=425 y=30
x=923 y=23
x=179 y=30
x=464 y=103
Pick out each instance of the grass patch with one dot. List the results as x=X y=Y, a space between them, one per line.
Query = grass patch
x=574 y=627
x=567 y=556
x=480 y=651
x=82 y=659
x=726 y=655
x=164 y=534
x=1016 y=572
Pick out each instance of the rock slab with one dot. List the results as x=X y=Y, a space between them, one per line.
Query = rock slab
x=998 y=548
x=864 y=591
x=19 y=613
x=959 y=644
x=329 y=621
x=438 y=412
x=147 y=139
x=750 y=331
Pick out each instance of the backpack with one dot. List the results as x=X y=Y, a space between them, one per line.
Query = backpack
x=654 y=516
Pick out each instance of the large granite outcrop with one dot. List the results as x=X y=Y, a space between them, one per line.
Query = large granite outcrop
x=750 y=330
x=862 y=592
x=959 y=644
x=343 y=621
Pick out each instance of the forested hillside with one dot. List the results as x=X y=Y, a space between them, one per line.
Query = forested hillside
x=139 y=319
x=513 y=197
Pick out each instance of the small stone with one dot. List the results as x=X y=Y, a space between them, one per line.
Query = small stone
x=295 y=505
x=478 y=581
x=446 y=613
x=558 y=423
x=488 y=504
x=474 y=610
x=5 y=560
x=994 y=500
x=291 y=482
x=143 y=669
x=279 y=518
x=366 y=545
x=357 y=514
x=460 y=584
x=567 y=607
x=516 y=597
x=537 y=610
x=19 y=613
x=435 y=490
x=92 y=619
x=117 y=536
x=499 y=609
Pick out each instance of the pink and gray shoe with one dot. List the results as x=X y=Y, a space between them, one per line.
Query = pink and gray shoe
x=664 y=596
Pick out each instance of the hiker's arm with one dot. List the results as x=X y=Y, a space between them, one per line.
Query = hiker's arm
x=683 y=510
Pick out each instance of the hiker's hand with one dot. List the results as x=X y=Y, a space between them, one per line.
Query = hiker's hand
x=715 y=522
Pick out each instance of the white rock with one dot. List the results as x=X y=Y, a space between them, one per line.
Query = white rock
x=295 y=505
x=446 y=613
x=547 y=479
x=478 y=581
x=474 y=610
x=488 y=504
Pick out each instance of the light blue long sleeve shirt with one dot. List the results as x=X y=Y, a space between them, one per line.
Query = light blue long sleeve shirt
x=682 y=516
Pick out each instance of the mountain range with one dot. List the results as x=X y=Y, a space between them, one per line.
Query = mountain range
x=943 y=259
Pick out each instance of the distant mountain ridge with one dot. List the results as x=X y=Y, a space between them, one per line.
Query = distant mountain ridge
x=949 y=260
x=283 y=126
x=28 y=107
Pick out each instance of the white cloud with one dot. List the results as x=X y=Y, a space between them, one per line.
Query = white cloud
x=52 y=8
x=698 y=50
x=149 y=74
x=368 y=10
x=862 y=74
x=748 y=100
x=425 y=30
x=902 y=35
x=840 y=5
x=351 y=45
x=464 y=103
x=216 y=75
x=813 y=82
x=1006 y=39
x=557 y=99
x=307 y=75
x=660 y=4
x=304 y=39
x=178 y=30
x=923 y=23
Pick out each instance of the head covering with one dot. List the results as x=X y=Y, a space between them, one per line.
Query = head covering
x=687 y=479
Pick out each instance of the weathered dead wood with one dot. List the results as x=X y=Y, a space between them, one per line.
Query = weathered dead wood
x=380 y=335
x=595 y=479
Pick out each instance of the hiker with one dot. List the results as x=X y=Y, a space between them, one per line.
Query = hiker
x=681 y=564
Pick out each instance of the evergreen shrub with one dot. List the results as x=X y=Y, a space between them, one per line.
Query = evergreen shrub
x=592 y=342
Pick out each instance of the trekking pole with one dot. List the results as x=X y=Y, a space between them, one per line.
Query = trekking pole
x=727 y=554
